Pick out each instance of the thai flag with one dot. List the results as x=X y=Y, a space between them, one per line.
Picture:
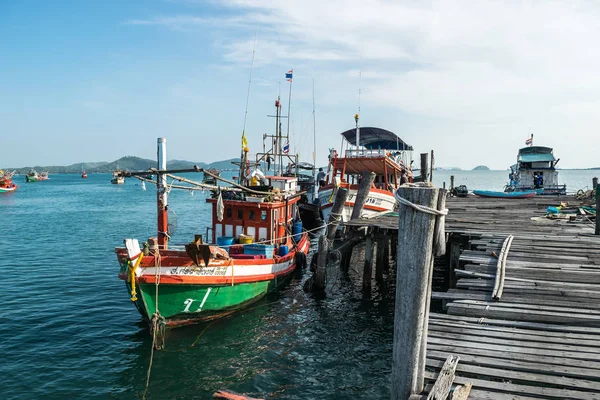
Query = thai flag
x=286 y=148
x=288 y=75
x=529 y=141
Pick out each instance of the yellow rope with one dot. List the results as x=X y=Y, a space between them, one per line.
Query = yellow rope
x=132 y=269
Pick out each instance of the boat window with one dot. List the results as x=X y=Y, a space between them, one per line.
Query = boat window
x=263 y=215
x=229 y=213
x=240 y=213
x=251 y=214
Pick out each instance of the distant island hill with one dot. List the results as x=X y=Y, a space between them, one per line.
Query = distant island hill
x=477 y=168
x=129 y=163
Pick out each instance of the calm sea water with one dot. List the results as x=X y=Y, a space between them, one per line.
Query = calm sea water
x=69 y=330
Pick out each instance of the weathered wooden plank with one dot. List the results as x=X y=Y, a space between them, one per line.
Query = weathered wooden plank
x=593 y=367
x=492 y=334
x=519 y=324
x=528 y=390
x=520 y=314
x=523 y=365
x=582 y=338
x=462 y=392
x=511 y=297
x=513 y=348
x=525 y=377
x=443 y=383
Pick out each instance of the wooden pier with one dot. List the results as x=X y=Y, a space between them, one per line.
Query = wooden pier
x=517 y=300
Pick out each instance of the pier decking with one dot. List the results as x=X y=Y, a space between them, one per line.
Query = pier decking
x=522 y=309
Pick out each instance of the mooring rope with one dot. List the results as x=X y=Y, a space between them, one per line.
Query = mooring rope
x=424 y=209
x=158 y=321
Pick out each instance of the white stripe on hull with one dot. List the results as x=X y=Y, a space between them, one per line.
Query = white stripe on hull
x=222 y=268
x=377 y=199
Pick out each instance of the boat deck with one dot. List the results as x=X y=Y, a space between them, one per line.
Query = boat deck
x=541 y=338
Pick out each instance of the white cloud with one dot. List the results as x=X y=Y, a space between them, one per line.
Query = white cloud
x=500 y=65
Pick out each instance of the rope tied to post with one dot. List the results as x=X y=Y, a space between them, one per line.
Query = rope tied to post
x=424 y=209
x=439 y=246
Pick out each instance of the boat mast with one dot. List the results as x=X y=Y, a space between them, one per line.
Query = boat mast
x=314 y=134
x=162 y=194
x=290 y=79
x=357 y=115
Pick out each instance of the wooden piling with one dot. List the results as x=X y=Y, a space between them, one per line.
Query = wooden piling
x=451 y=182
x=597 y=208
x=439 y=249
x=594 y=182
x=386 y=253
x=335 y=216
x=415 y=247
x=431 y=167
x=379 y=259
x=320 y=276
x=424 y=166
x=367 y=179
x=444 y=184
x=368 y=267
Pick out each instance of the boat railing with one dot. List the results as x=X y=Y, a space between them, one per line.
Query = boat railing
x=356 y=153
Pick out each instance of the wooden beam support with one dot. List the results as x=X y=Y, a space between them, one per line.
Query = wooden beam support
x=415 y=248
x=368 y=266
x=366 y=180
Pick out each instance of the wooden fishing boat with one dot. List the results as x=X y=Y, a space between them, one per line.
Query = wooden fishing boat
x=256 y=242
x=32 y=176
x=525 y=194
x=6 y=182
x=43 y=176
x=84 y=175
x=118 y=177
x=373 y=149
x=536 y=170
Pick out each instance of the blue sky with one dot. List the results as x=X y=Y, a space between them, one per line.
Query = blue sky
x=94 y=81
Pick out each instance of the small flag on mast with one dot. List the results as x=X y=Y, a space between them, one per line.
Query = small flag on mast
x=288 y=75
x=529 y=142
x=244 y=140
x=286 y=148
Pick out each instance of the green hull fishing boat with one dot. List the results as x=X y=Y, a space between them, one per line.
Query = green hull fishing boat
x=256 y=243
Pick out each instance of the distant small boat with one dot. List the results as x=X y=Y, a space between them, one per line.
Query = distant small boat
x=44 y=176
x=84 y=174
x=32 y=176
x=118 y=178
x=509 y=195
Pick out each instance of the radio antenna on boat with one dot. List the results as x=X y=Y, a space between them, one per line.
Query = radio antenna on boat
x=244 y=152
x=357 y=116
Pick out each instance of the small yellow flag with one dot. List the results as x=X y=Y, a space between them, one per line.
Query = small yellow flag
x=244 y=140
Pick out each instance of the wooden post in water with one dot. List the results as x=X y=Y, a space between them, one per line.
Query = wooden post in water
x=386 y=253
x=431 y=167
x=394 y=245
x=424 y=167
x=320 y=276
x=379 y=261
x=597 y=208
x=415 y=248
x=335 y=216
x=367 y=179
x=444 y=184
x=594 y=182
x=451 y=182
x=368 y=268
